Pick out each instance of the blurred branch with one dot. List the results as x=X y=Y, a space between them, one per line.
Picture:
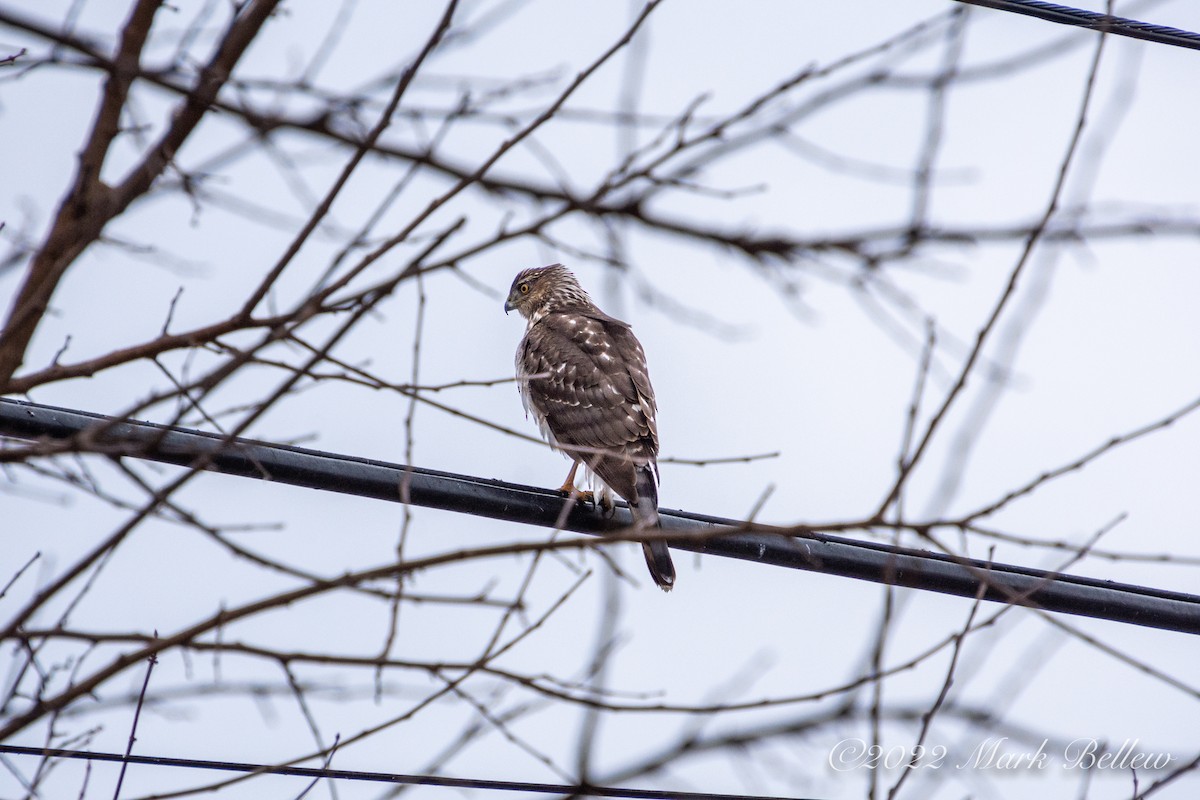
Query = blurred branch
x=91 y=204
x=1082 y=461
x=1031 y=242
x=625 y=194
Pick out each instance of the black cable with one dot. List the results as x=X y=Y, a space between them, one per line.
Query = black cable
x=380 y=777
x=831 y=555
x=1094 y=20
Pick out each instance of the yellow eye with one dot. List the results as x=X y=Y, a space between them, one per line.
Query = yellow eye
x=524 y=288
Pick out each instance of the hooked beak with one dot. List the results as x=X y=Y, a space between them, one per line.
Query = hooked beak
x=508 y=306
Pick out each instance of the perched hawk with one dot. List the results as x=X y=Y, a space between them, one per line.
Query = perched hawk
x=593 y=400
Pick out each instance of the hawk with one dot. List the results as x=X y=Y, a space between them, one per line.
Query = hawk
x=582 y=374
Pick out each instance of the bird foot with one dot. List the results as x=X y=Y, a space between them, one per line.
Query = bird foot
x=569 y=490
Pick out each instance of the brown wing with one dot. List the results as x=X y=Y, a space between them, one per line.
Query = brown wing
x=595 y=399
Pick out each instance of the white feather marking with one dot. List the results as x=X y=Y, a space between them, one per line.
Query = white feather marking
x=597 y=484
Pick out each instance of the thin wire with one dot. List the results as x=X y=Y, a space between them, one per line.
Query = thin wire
x=383 y=777
x=1094 y=20
x=799 y=548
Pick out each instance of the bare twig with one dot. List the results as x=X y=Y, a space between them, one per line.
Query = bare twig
x=137 y=713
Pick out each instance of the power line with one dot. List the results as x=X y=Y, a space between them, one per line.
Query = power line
x=1094 y=20
x=381 y=777
x=831 y=555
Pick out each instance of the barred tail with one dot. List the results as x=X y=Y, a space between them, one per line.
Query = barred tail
x=645 y=513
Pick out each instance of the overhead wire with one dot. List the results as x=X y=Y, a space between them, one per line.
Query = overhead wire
x=327 y=773
x=1094 y=20
x=800 y=548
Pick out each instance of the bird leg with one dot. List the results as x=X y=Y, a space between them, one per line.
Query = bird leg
x=568 y=487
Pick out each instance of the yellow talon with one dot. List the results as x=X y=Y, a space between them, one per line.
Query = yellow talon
x=568 y=487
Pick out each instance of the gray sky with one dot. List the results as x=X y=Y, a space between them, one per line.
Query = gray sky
x=1101 y=338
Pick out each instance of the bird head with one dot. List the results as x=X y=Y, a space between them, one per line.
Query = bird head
x=537 y=291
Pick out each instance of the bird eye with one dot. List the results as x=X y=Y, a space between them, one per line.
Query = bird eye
x=524 y=288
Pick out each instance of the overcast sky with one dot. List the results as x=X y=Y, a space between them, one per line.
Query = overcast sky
x=815 y=359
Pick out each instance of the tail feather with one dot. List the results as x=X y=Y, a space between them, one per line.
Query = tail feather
x=645 y=513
